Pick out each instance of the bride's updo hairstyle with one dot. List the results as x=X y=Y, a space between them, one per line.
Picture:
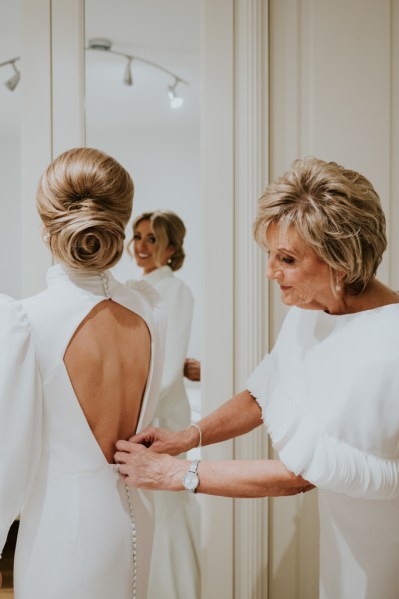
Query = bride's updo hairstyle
x=85 y=201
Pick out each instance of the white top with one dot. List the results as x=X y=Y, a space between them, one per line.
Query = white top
x=82 y=532
x=329 y=393
x=173 y=409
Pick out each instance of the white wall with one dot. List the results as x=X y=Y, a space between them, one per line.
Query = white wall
x=10 y=215
x=10 y=150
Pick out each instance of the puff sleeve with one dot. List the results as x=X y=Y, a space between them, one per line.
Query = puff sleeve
x=20 y=412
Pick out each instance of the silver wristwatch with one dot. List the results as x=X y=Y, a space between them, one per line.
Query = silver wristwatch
x=191 y=479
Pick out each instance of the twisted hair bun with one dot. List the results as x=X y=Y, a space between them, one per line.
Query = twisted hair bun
x=85 y=201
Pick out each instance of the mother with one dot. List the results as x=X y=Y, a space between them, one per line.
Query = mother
x=329 y=389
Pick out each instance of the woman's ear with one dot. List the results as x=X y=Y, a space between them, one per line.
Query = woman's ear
x=170 y=250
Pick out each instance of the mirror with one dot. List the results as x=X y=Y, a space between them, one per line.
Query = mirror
x=139 y=55
x=10 y=149
x=158 y=145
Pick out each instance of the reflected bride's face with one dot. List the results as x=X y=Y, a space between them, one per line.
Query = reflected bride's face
x=145 y=245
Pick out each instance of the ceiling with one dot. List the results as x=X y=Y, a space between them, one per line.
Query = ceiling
x=166 y=32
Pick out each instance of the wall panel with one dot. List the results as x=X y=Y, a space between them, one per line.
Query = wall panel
x=334 y=93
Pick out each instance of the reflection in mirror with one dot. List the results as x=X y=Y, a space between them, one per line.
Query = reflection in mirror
x=10 y=148
x=143 y=108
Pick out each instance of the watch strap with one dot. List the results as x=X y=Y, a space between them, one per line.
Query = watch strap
x=194 y=466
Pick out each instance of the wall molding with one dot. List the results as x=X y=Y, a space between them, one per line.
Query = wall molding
x=217 y=189
x=250 y=290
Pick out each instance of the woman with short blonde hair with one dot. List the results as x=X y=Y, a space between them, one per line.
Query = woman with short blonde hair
x=327 y=393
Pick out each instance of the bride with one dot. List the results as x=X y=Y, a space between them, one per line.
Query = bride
x=80 y=367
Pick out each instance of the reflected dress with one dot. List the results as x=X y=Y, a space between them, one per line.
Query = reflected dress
x=175 y=568
x=83 y=534
x=329 y=393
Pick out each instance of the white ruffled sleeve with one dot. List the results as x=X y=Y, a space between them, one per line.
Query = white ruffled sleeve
x=326 y=461
x=20 y=412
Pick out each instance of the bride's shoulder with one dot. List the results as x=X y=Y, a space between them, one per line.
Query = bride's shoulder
x=147 y=291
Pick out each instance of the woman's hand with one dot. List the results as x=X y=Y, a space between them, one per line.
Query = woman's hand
x=165 y=441
x=192 y=369
x=144 y=469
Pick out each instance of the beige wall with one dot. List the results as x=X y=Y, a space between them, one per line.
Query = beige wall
x=333 y=94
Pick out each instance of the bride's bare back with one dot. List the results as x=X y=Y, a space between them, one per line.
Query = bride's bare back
x=108 y=361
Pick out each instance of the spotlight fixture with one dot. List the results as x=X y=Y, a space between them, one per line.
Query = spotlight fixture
x=104 y=45
x=175 y=100
x=13 y=81
x=128 y=78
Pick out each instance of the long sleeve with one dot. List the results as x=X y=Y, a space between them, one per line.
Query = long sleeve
x=20 y=412
x=178 y=302
x=334 y=419
x=321 y=458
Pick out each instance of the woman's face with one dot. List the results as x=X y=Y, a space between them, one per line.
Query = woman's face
x=145 y=244
x=303 y=277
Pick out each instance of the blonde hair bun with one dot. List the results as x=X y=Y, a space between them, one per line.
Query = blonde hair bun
x=85 y=201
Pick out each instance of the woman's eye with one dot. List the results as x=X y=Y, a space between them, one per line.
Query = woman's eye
x=151 y=239
x=137 y=237
x=287 y=260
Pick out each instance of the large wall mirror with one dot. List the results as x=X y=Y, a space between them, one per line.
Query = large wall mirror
x=129 y=114
x=142 y=106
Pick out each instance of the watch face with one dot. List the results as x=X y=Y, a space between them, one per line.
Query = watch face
x=191 y=481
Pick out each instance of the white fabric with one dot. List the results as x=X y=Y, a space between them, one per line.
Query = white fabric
x=175 y=569
x=329 y=393
x=75 y=537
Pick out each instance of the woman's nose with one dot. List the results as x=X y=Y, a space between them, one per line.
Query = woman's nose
x=272 y=270
x=140 y=245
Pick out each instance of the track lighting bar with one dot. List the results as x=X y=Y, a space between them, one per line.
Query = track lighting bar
x=105 y=45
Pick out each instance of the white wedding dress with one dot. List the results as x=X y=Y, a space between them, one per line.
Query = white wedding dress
x=329 y=393
x=175 y=567
x=83 y=534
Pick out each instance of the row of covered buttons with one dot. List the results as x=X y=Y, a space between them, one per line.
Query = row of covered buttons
x=105 y=285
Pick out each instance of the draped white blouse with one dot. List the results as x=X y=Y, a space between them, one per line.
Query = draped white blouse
x=329 y=394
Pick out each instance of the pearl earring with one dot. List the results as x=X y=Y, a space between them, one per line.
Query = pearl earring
x=46 y=237
x=338 y=287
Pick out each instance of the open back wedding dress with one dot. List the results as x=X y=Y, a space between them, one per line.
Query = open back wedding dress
x=83 y=534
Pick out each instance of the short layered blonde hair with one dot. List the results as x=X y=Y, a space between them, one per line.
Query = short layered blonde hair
x=169 y=231
x=336 y=212
x=85 y=200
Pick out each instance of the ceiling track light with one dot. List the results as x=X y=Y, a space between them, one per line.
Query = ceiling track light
x=128 y=77
x=13 y=81
x=175 y=100
x=105 y=45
